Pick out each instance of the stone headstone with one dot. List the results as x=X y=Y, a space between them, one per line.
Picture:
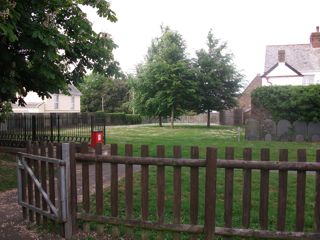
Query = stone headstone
x=315 y=138
x=300 y=128
x=284 y=130
x=313 y=129
x=252 y=129
x=268 y=137
x=268 y=126
x=299 y=138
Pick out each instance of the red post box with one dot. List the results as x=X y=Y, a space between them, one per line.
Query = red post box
x=96 y=137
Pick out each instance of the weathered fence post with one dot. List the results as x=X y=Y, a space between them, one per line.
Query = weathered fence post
x=210 y=194
x=66 y=191
x=34 y=128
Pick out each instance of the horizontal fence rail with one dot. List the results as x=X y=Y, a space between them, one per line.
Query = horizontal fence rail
x=206 y=169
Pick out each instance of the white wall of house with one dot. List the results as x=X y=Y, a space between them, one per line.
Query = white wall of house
x=283 y=75
x=62 y=103
x=57 y=103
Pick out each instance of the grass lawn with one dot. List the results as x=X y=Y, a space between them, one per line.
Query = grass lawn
x=193 y=135
x=221 y=137
x=8 y=170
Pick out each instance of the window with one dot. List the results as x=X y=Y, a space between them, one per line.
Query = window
x=308 y=79
x=72 y=102
x=56 y=101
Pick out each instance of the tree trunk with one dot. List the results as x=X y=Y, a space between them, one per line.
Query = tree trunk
x=208 y=119
x=172 y=117
x=160 y=121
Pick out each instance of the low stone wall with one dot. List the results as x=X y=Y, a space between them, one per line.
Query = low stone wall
x=283 y=130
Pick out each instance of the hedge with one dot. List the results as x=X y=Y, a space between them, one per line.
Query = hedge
x=289 y=102
x=120 y=118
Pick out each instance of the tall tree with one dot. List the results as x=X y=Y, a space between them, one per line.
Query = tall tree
x=100 y=93
x=45 y=45
x=218 y=78
x=165 y=82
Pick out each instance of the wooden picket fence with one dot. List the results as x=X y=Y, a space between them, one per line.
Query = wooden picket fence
x=210 y=165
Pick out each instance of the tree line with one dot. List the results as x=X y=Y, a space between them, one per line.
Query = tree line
x=169 y=83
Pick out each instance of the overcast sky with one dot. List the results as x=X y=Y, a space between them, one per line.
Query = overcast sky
x=246 y=25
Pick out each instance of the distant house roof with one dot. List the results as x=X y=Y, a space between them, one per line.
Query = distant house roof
x=302 y=57
x=73 y=90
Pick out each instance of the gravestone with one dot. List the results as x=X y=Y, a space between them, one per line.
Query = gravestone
x=268 y=126
x=315 y=138
x=268 y=137
x=300 y=128
x=284 y=130
x=299 y=138
x=313 y=129
x=252 y=129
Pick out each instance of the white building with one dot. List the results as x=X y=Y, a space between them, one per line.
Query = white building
x=58 y=103
x=294 y=64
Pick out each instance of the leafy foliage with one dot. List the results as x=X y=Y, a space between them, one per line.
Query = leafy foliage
x=46 y=45
x=114 y=92
x=165 y=83
x=218 y=78
x=120 y=118
x=289 y=102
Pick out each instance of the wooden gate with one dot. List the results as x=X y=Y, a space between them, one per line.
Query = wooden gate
x=43 y=183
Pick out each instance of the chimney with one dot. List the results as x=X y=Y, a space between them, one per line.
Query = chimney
x=281 y=55
x=315 y=38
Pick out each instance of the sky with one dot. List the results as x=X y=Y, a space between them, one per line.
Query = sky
x=247 y=26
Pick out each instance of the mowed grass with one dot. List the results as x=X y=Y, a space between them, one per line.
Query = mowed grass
x=220 y=137
x=8 y=170
x=193 y=135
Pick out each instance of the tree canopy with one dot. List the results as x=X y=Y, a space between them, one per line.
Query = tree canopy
x=164 y=85
x=100 y=93
x=46 y=45
x=217 y=77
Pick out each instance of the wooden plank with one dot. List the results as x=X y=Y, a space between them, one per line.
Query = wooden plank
x=228 y=191
x=176 y=191
x=246 y=196
x=35 y=151
x=114 y=190
x=194 y=191
x=187 y=228
x=210 y=193
x=51 y=182
x=43 y=166
x=73 y=187
x=317 y=196
x=160 y=190
x=301 y=192
x=129 y=189
x=85 y=186
x=58 y=147
x=24 y=191
x=99 y=188
x=282 y=196
x=144 y=190
x=30 y=183
x=264 y=191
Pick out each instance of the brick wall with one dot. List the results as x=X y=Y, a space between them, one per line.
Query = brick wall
x=244 y=100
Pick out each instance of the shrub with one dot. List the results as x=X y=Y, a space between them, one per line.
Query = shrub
x=289 y=102
x=119 y=118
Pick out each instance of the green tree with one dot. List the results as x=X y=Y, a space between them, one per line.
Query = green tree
x=45 y=45
x=165 y=84
x=100 y=93
x=217 y=77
